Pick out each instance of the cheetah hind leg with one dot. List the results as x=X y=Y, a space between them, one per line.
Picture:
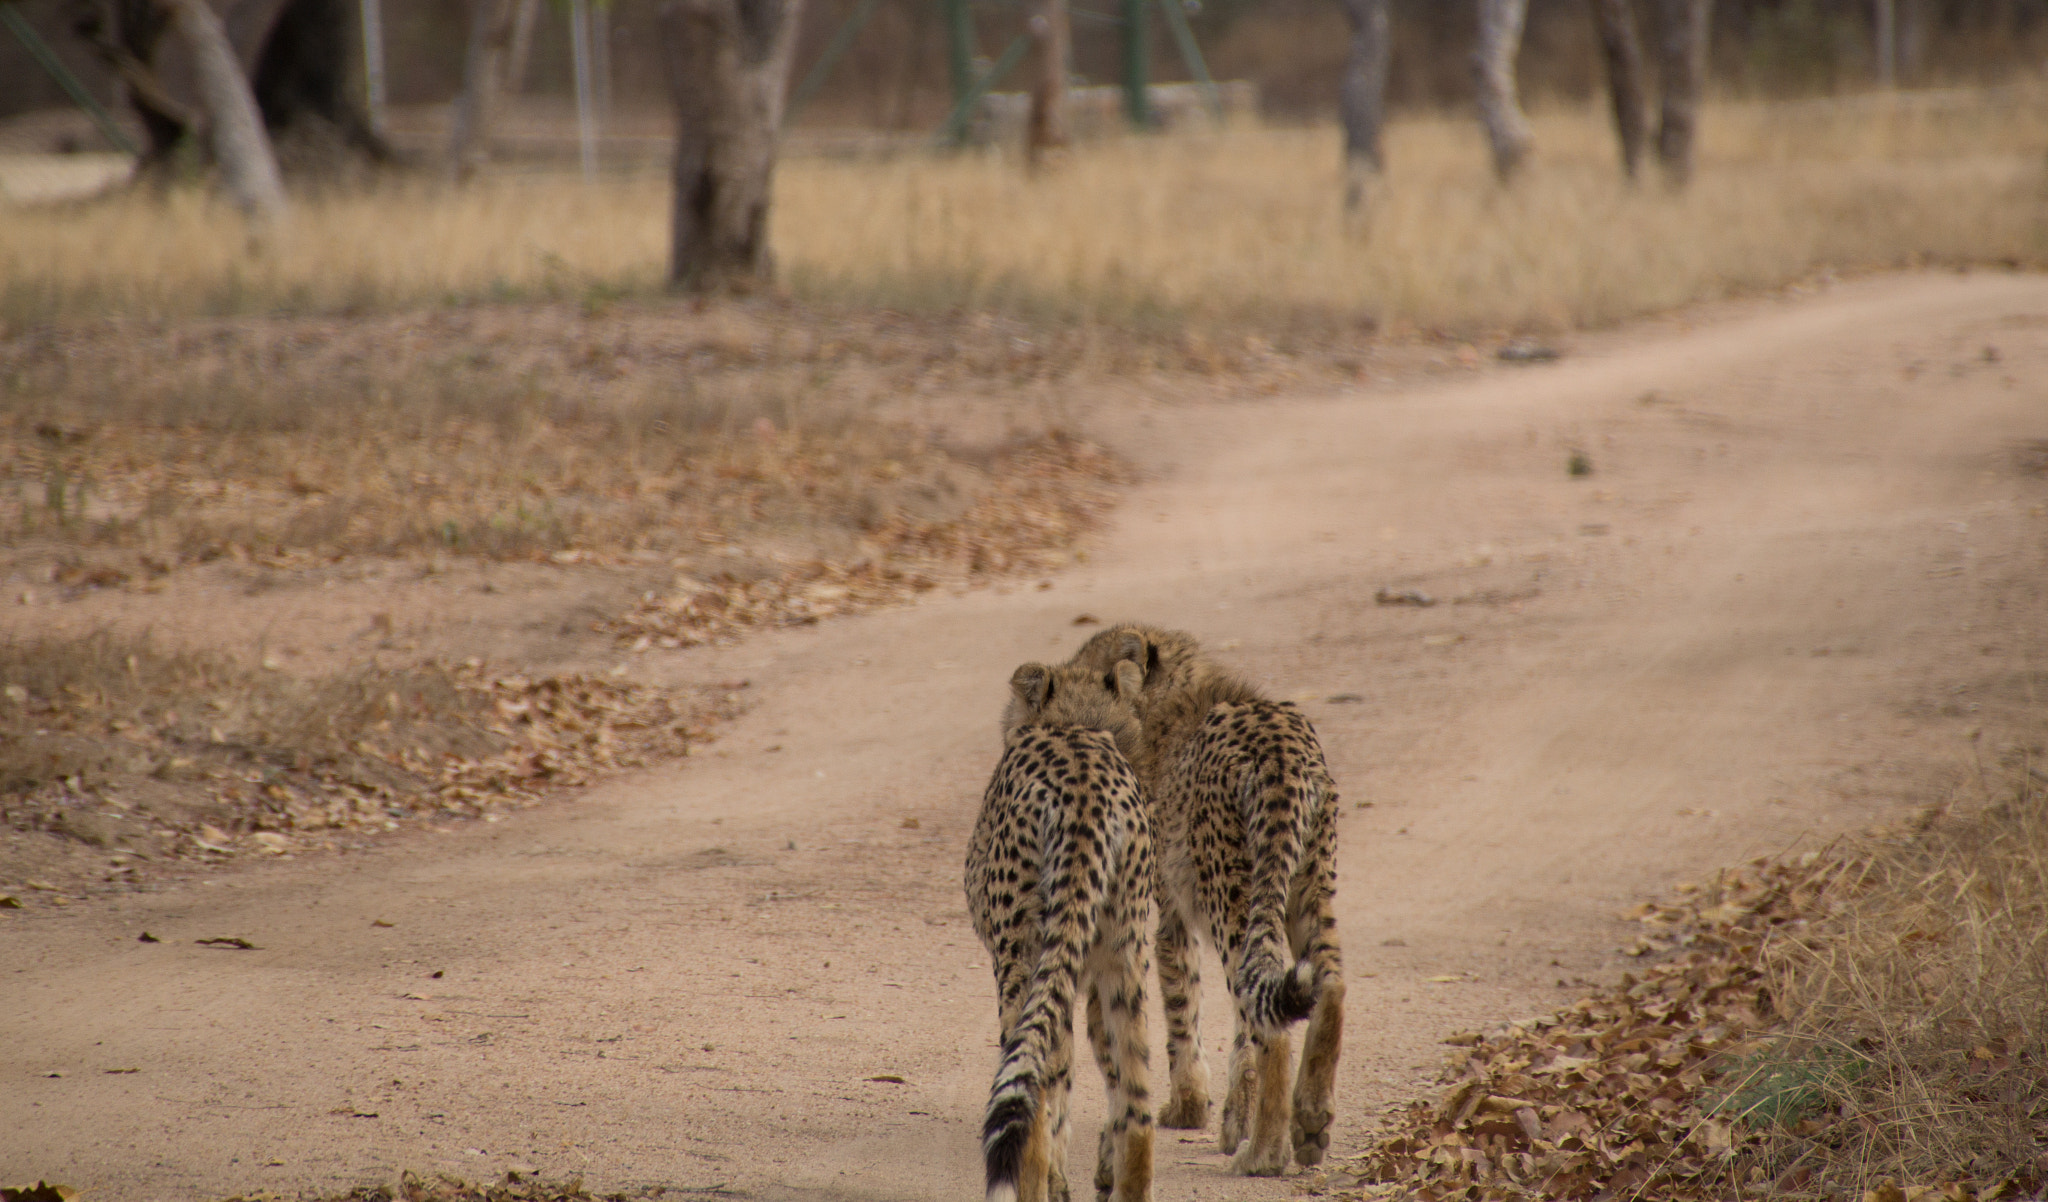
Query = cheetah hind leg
x=1237 y=1098
x=1315 y=1086
x=1180 y=992
x=1265 y=1153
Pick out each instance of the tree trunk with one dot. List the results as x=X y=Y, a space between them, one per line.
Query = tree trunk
x=305 y=80
x=1362 y=98
x=1493 y=71
x=125 y=33
x=1682 y=62
x=728 y=66
x=1621 y=48
x=240 y=144
x=521 y=49
x=1047 y=132
x=483 y=84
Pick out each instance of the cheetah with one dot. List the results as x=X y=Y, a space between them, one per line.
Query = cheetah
x=1244 y=818
x=1059 y=881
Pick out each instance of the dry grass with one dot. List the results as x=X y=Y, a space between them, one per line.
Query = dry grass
x=1916 y=1018
x=510 y=433
x=1241 y=227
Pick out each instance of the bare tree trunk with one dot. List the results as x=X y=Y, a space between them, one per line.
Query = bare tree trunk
x=1362 y=98
x=240 y=144
x=1048 y=129
x=1682 y=62
x=728 y=66
x=1627 y=77
x=483 y=84
x=1886 y=36
x=1493 y=71
x=521 y=50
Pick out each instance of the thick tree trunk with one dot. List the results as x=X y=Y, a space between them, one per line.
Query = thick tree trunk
x=1621 y=48
x=307 y=77
x=1047 y=132
x=728 y=66
x=240 y=144
x=1362 y=98
x=483 y=84
x=1682 y=62
x=125 y=34
x=1493 y=73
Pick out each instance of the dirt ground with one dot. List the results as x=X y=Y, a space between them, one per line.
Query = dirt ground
x=1797 y=592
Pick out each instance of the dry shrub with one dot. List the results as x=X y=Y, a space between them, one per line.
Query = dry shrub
x=1239 y=228
x=1915 y=1018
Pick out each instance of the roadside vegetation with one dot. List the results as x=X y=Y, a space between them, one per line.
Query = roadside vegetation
x=1242 y=229
x=1864 y=1021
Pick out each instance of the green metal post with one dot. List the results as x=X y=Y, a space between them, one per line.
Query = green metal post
x=1191 y=54
x=841 y=42
x=1137 y=63
x=41 y=52
x=960 y=47
x=955 y=129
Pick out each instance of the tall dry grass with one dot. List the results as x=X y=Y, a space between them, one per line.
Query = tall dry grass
x=1916 y=1017
x=1240 y=226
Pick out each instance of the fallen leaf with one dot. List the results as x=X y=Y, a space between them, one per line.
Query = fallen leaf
x=236 y=942
x=911 y=824
x=1441 y=640
x=9 y=902
x=146 y=937
x=1344 y=698
x=41 y=1191
x=378 y=922
x=1087 y=620
x=889 y=1079
x=119 y=1071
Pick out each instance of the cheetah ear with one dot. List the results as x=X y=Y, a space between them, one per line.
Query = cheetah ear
x=1130 y=680
x=1032 y=684
x=1132 y=648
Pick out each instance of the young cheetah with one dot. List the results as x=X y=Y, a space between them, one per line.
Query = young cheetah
x=1244 y=819
x=1059 y=880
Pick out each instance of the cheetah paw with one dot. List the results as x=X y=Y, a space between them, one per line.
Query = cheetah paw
x=1311 y=1135
x=1254 y=1161
x=1185 y=1111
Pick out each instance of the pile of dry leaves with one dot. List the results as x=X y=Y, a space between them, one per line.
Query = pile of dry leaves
x=182 y=756
x=1630 y=1093
x=1042 y=496
x=516 y=1187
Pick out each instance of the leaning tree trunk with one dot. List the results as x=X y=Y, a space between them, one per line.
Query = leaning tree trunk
x=1047 y=133
x=125 y=33
x=1622 y=50
x=1493 y=71
x=1682 y=62
x=1362 y=98
x=728 y=66
x=240 y=144
x=483 y=84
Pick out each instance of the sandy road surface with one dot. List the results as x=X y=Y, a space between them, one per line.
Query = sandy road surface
x=1805 y=566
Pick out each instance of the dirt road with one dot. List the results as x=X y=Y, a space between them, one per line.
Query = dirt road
x=1806 y=564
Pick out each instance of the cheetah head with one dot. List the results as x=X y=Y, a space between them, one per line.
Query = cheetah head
x=1078 y=694
x=1166 y=658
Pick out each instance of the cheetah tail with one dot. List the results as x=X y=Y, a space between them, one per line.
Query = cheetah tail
x=1014 y=1141
x=1271 y=987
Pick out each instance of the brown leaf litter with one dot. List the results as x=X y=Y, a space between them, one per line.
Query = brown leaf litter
x=1614 y=1095
x=1042 y=496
